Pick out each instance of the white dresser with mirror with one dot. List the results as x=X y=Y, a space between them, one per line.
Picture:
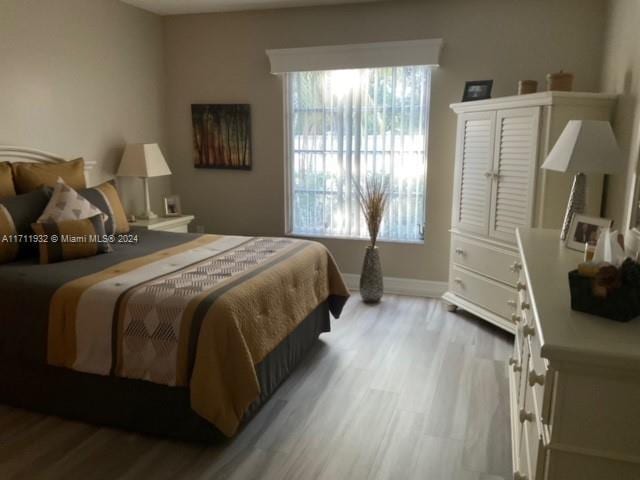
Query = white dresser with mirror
x=574 y=378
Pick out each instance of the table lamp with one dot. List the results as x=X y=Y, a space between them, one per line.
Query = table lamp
x=585 y=146
x=143 y=160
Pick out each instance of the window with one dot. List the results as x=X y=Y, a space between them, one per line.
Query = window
x=344 y=125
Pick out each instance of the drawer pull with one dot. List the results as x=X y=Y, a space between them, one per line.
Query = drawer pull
x=526 y=416
x=519 y=476
x=525 y=305
x=516 y=366
x=520 y=286
x=459 y=251
x=535 y=378
x=515 y=318
x=488 y=174
x=515 y=267
x=528 y=331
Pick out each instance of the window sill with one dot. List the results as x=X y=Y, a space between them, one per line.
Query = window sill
x=354 y=239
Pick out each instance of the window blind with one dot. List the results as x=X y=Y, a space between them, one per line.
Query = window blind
x=344 y=125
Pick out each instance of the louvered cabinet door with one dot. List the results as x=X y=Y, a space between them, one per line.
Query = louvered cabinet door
x=514 y=171
x=476 y=133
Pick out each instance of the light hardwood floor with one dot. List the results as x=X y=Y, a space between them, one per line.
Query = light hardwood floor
x=401 y=390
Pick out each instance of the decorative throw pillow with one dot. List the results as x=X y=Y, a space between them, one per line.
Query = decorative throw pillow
x=72 y=239
x=6 y=181
x=106 y=198
x=31 y=176
x=67 y=204
x=16 y=216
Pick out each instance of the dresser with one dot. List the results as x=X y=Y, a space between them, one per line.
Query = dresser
x=499 y=186
x=574 y=378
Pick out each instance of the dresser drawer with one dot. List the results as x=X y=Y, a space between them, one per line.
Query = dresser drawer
x=521 y=319
x=540 y=378
x=515 y=364
x=539 y=364
x=532 y=428
x=522 y=384
x=524 y=463
x=485 y=259
x=179 y=229
x=492 y=295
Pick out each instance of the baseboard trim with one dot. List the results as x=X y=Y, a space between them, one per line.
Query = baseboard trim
x=403 y=286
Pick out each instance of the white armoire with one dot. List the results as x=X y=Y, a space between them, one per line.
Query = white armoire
x=499 y=186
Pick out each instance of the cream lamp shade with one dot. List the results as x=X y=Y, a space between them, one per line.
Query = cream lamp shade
x=584 y=146
x=144 y=160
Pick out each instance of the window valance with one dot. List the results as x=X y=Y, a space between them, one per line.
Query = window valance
x=360 y=55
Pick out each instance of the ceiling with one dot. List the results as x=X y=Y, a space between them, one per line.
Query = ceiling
x=176 y=7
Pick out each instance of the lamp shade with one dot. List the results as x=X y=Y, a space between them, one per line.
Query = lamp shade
x=586 y=146
x=143 y=160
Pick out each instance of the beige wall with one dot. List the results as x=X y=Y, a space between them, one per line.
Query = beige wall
x=621 y=74
x=221 y=58
x=82 y=78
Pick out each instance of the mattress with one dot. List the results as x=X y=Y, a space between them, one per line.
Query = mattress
x=194 y=312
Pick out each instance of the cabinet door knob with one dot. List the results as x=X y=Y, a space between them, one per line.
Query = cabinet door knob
x=488 y=174
x=526 y=416
x=512 y=361
x=535 y=378
x=515 y=318
x=459 y=251
x=525 y=305
x=458 y=281
x=521 y=286
x=528 y=331
x=519 y=476
x=515 y=267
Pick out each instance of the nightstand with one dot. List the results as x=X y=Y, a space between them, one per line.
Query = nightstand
x=166 y=224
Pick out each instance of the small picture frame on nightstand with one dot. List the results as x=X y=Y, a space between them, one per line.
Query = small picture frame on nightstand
x=172 y=206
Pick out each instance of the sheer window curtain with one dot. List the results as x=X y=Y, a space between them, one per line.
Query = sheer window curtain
x=344 y=125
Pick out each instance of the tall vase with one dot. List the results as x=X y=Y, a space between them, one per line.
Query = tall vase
x=371 y=286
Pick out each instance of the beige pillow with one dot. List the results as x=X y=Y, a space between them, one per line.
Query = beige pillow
x=75 y=239
x=31 y=176
x=17 y=213
x=7 y=188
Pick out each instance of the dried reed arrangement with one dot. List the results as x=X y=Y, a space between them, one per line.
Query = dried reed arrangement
x=373 y=198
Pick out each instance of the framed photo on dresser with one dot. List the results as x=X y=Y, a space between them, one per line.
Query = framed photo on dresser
x=585 y=229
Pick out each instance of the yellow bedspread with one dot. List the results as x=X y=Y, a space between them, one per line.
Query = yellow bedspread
x=201 y=314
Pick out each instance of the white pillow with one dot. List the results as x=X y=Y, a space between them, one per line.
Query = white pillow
x=67 y=204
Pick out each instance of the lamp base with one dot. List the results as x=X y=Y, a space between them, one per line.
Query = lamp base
x=148 y=215
x=576 y=202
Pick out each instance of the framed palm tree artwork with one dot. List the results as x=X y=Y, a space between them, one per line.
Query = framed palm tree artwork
x=221 y=136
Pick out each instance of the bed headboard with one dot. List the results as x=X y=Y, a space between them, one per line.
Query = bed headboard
x=9 y=153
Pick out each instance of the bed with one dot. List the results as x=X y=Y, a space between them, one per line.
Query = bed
x=180 y=335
